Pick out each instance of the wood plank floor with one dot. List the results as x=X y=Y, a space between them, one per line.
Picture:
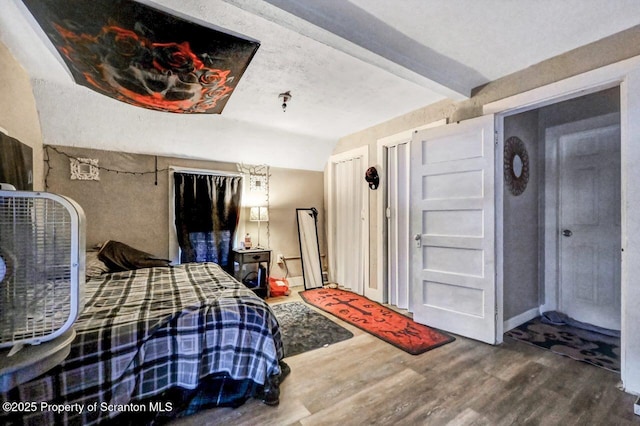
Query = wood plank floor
x=365 y=381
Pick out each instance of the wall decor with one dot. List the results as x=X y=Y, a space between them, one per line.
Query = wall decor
x=258 y=183
x=516 y=165
x=84 y=169
x=144 y=56
x=372 y=178
x=258 y=193
x=258 y=177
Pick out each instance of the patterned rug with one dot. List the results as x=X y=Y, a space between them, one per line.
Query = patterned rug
x=384 y=323
x=582 y=345
x=303 y=329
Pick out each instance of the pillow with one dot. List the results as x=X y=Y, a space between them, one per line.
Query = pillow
x=121 y=257
x=94 y=267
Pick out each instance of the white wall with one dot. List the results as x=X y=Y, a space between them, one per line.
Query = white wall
x=79 y=117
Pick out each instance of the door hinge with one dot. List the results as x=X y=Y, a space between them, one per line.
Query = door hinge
x=388 y=212
x=495 y=138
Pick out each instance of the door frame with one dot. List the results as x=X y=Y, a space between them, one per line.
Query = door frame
x=382 y=249
x=626 y=75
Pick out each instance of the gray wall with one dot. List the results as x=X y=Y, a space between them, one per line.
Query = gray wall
x=521 y=220
x=135 y=211
x=582 y=108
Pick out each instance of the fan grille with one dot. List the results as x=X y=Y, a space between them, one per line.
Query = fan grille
x=36 y=250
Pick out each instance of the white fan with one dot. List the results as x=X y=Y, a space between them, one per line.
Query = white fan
x=42 y=240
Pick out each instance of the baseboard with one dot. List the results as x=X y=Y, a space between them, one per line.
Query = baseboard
x=295 y=281
x=521 y=319
x=547 y=307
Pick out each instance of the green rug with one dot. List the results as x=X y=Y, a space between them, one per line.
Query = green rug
x=304 y=329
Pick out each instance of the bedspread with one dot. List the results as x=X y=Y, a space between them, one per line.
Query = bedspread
x=149 y=330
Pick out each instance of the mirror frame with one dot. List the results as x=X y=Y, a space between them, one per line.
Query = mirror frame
x=304 y=257
x=515 y=147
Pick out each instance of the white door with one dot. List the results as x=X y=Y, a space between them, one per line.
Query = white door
x=398 y=231
x=453 y=226
x=589 y=222
x=348 y=224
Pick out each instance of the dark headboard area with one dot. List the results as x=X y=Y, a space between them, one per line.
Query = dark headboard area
x=16 y=163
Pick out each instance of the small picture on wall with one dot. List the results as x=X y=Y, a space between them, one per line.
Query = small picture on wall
x=16 y=163
x=84 y=169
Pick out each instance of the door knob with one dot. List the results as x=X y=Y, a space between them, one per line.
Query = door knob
x=567 y=233
x=418 y=238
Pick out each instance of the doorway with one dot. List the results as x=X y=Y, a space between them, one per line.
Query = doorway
x=588 y=281
x=626 y=76
x=561 y=234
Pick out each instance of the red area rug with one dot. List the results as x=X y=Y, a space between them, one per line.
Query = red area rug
x=376 y=319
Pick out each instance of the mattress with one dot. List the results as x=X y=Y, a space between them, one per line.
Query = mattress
x=149 y=330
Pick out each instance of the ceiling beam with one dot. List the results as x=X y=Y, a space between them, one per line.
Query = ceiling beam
x=353 y=31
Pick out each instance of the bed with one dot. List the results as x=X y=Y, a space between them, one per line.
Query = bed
x=160 y=341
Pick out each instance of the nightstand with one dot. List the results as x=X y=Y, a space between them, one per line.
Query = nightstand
x=251 y=268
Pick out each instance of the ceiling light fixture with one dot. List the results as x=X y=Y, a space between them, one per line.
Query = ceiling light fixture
x=286 y=97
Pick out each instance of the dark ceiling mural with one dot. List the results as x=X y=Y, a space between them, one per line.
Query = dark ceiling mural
x=143 y=56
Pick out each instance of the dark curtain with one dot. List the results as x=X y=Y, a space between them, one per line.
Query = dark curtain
x=16 y=163
x=207 y=209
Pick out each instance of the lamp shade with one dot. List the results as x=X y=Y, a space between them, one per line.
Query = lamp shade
x=259 y=214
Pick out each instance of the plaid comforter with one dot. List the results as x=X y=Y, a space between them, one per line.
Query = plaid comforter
x=148 y=330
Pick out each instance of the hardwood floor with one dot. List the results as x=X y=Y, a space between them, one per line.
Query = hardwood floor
x=365 y=381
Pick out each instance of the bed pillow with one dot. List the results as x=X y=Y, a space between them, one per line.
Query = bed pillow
x=121 y=257
x=94 y=267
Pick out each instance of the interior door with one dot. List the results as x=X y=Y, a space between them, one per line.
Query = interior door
x=453 y=226
x=589 y=219
x=348 y=222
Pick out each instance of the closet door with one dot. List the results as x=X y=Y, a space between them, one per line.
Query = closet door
x=398 y=230
x=348 y=225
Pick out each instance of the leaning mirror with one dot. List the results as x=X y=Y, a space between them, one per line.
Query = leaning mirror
x=309 y=247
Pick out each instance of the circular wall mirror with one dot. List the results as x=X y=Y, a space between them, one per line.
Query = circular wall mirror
x=516 y=165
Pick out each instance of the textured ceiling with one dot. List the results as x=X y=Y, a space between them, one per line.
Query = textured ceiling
x=348 y=64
